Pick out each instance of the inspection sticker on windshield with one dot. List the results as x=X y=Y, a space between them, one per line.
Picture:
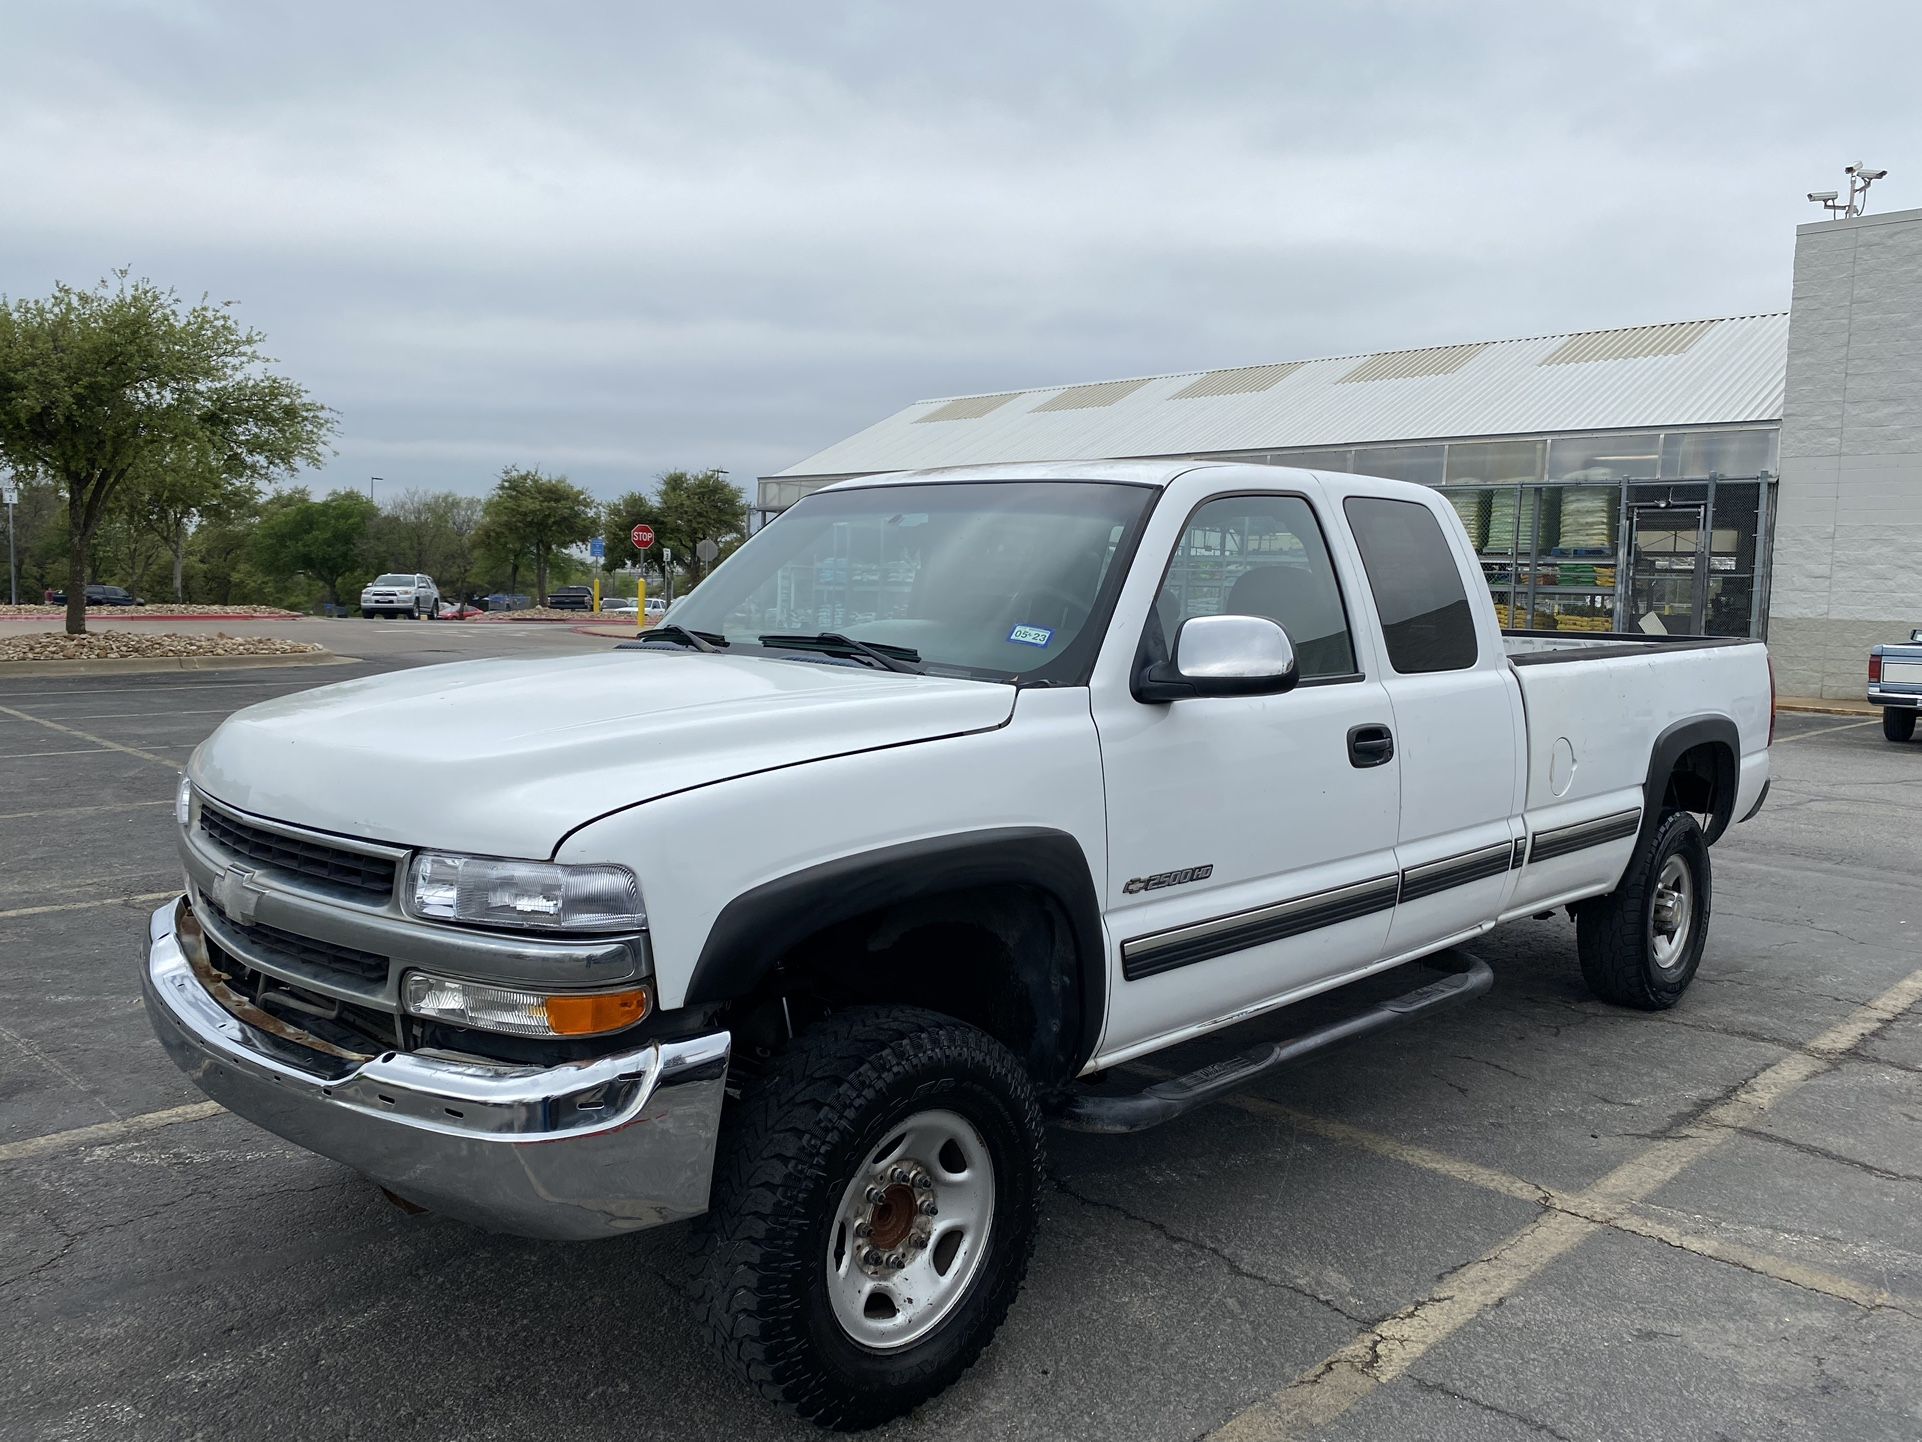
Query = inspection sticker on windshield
x=1031 y=635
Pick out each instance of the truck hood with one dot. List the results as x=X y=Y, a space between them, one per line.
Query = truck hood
x=504 y=758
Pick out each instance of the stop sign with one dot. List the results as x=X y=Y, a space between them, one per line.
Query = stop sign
x=642 y=536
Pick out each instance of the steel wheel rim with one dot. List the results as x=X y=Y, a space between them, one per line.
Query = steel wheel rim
x=937 y=1165
x=1672 y=914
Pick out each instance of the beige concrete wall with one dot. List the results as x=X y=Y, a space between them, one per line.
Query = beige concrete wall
x=1848 y=530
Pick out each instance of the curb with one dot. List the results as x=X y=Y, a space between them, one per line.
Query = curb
x=1820 y=706
x=139 y=665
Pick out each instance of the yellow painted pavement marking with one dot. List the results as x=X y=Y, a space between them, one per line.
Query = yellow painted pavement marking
x=1385 y=1351
x=89 y=736
x=100 y=1132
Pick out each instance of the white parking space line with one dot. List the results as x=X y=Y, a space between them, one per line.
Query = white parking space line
x=62 y=694
x=100 y=741
x=113 y=1131
x=1387 y=1350
x=51 y=907
x=1825 y=731
x=100 y=750
x=80 y=810
x=154 y=715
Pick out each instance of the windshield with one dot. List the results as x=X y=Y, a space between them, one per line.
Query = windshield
x=393 y=580
x=1001 y=580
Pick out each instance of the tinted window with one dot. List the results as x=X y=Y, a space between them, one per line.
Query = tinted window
x=1417 y=585
x=1258 y=556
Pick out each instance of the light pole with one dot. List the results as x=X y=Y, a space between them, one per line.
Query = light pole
x=370 y=485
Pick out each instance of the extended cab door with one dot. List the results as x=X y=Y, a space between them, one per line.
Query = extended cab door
x=1459 y=727
x=1250 y=845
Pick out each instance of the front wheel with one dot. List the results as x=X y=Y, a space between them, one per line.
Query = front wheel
x=874 y=1209
x=1641 y=944
x=1898 y=724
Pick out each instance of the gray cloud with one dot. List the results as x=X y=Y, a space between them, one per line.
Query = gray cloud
x=616 y=239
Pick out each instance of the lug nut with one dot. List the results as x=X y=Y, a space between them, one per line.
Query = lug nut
x=876 y=1196
x=899 y=1175
x=923 y=1182
x=872 y=1257
x=895 y=1259
x=861 y=1230
x=927 y=1208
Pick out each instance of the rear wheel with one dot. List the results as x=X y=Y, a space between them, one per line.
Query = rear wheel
x=874 y=1210
x=1641 y=944
x=1898 y=725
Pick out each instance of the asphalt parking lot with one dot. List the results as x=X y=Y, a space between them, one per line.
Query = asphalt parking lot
x=1535 y=1216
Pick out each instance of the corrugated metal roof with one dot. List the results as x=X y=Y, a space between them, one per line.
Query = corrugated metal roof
x=1643 y=377
x=1403 y=365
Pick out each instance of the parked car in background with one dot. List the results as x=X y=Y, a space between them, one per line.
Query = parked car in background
x=102 y=596
x=655 y=608
x=626 y=605
x=571 y=598
x=400 y=594
x=1895 y=684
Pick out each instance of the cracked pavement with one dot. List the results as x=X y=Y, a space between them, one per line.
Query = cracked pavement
x=202 y=1279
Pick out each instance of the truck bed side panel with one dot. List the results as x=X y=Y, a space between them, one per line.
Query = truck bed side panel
x=1593 y=725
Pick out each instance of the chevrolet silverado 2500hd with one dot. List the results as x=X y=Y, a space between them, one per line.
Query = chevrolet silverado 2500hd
x=946 y=792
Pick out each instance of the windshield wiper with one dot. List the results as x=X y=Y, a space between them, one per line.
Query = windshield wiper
x=676 y=635
x=833 y=643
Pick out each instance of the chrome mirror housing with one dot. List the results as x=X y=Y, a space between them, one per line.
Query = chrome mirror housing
x=1223 y=656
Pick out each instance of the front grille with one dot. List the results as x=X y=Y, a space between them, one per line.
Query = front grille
x=271 y=944
x=373 y=875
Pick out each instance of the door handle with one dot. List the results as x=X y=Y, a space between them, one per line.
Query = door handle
x=1370 y=745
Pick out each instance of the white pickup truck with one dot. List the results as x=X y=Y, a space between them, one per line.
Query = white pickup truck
x=946 y=793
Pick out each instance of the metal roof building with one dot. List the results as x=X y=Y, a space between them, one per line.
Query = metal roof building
x=1688 y=374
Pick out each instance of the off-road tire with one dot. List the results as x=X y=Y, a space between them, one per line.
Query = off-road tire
x=1898 y=724
x=1614 y=933
x=365 y=614
x=788 y=1151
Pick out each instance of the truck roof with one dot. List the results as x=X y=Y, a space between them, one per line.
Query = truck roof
x=1134 y=473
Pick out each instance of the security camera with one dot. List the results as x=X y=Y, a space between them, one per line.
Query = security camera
x=1823 y=197
x=1863 y=174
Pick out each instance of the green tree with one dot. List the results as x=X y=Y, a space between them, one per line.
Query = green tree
x=168 y=498
x=324 y=540
x=536 y=514
x=696 y=506
x=618 y=519
x=99 y=385
x=432 y=532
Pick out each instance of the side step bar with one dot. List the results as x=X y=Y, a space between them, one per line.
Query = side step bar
x=1166 y=1100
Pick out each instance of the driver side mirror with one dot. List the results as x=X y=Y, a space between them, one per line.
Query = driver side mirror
x=1222 y=656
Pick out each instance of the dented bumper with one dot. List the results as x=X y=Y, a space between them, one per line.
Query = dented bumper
x=582 y=1150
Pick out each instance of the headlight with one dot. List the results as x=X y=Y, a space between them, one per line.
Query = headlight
x=536 y=894
x=184 y=801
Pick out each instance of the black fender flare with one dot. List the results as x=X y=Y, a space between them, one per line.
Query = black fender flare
x=754 y=928
x=1721 y=735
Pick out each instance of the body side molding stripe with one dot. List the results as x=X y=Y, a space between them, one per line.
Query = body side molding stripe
x=1163 y=951
x=1453 y=871
x=1564 y=839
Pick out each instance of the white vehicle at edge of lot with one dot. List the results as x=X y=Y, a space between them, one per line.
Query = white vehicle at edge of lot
x=400 y=594
x=1895 y=685
x=945 y=793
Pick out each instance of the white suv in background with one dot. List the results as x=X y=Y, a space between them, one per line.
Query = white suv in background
x=398 y=594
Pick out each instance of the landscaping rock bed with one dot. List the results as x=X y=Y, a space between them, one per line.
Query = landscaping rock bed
x=151 y=609
x=135 y=646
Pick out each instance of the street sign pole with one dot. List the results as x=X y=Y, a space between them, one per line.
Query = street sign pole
x=667 y=571
x=12 y=496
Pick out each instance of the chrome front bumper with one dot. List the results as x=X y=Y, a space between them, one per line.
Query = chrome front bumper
x=587 y=1149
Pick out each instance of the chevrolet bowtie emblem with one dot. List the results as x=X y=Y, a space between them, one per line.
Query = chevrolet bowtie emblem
x=236 y=894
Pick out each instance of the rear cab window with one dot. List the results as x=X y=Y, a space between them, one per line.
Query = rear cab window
x=1426 y=619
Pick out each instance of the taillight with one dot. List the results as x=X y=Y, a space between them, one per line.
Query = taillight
x=1875 y=669
x=1771 y=700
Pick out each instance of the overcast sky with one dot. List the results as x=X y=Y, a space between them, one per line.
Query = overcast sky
x=615 y=239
